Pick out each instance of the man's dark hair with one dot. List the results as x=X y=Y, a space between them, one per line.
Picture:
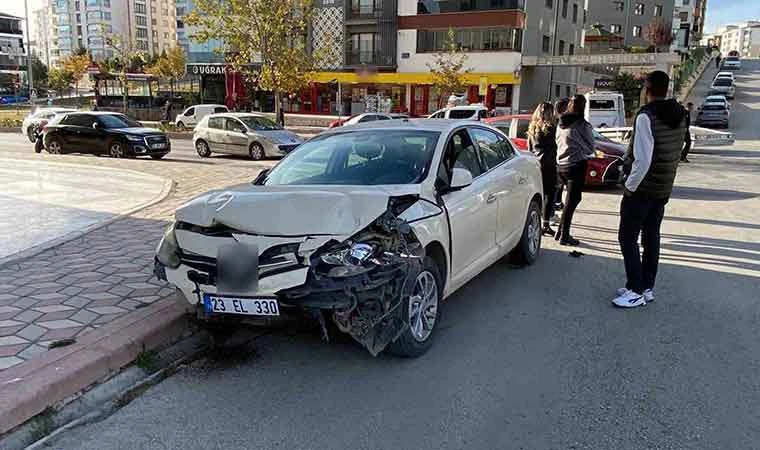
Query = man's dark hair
x=577 y=105
x=657 y=83
x=561 y=106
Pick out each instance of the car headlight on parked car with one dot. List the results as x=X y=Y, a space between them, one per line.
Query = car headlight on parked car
x=350 y=260
x=134 y=138
x=167 y=252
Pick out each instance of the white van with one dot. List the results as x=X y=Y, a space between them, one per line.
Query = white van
x=605 y=109
x=190 y=117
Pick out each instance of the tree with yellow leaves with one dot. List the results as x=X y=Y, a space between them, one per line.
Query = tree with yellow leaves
x=76 y=65
x=169 y=65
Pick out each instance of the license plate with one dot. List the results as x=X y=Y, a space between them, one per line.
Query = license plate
x=248 y=306
x=158 y=146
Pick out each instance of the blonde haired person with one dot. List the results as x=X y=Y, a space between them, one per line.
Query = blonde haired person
x=542 y=142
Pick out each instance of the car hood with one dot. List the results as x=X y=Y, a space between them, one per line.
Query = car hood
x=280 y=136
x=137 y=130
x=292 y=210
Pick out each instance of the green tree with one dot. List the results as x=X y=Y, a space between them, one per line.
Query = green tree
x=169 y=66
x=59 y=79
x=77 y=66
x=449 y=68
x=630 y=87
x=39 y=72
x=125 y=58
x=272 y=32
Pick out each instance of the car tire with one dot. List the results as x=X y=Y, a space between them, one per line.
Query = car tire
x=117 y=149
x=30 y=132
x=157 y=157
x=55 y=146
x=426 y=295
x=181 y=125
x=202 y=148
x=256 y=151
x=529 y=247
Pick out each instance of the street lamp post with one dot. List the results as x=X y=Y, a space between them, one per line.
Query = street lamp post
x=30 y=76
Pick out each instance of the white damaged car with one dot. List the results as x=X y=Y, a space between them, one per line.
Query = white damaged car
x=368 y=226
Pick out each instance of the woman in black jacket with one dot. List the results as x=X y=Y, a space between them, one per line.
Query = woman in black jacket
x=542 y=142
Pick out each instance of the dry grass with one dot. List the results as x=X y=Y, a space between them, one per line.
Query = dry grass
x=11 y=114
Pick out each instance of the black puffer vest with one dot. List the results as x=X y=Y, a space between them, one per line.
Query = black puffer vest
x=669 y=126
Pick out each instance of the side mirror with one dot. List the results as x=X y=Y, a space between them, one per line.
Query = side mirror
x=96 y=126
x=460 y=179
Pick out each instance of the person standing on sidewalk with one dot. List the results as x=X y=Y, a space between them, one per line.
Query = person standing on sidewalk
x=717 y=62
x=650 y=163
x=542 y=142
x=575 y=146
x=687 y=137
x=560 y=107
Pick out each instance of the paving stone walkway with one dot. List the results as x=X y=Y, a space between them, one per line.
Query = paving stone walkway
x=85 y=283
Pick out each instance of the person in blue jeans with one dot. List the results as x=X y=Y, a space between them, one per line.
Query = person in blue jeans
x=650 y=165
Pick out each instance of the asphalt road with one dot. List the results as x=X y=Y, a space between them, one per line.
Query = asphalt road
x=535 y=358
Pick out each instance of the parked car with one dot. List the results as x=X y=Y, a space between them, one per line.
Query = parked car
x=467 y=112
x=724 y=75
x=602 y=170
x=39 y=118
x=360 y=118
x=192 y=115
x=108 y=133
x=717 y=99
x=723 y=86
x=369 y=226
x=605 y=109
x=731 y=62
x=713 y=114
x=248 y=134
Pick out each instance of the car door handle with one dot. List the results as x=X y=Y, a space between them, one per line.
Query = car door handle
x=522 y=180
x=491 y=198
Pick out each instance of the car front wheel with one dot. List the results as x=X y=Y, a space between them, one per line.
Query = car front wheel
x=117 y=150
x=202 y=148
x=421 y=313
x=54 y=146
x=529 y=246
x=256 y=151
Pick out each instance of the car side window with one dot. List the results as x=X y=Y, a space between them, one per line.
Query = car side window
x=80 y=120
x=482 y=113
x=220 y=109
x=493 y=148
x=368 y=118
x=190 y=112
x=216 y=123
x=234 y=125
x=438 y=115
x=522 y=129
x=461 y=153
x=380 y=117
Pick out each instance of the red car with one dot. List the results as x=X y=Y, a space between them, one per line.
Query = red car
x=603 y=170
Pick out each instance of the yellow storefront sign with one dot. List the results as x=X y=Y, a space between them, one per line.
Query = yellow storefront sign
x=480 y=79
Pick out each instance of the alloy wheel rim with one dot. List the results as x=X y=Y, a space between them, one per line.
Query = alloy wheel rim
x=534 y=232
x=423 y=306
x=201 y=148
x=55 y=147
x=116 y=151
x=256 y=152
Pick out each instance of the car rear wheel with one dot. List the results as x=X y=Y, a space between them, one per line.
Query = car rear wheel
x=54 y=146
x=529 y=246
x=421 y=312
x=202 y=148
x=256 y=151
x=181 y=125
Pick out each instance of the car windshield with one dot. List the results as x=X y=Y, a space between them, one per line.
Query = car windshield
x=117 y=121
x=258 y=123
x=601 y=104
x=363 y=158
x=723 y=82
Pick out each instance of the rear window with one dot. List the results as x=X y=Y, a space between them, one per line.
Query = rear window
x=461 y=113
x=732 y=58
x=220 y=109
x=723 y=82
x=714 y=107
x=601 y=104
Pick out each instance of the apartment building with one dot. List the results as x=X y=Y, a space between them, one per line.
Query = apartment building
x=743 y=38
x=195 y=52
x=42 y=40
x=146 y=25
x=13 y=54
x=630 y=18
x=688 y=23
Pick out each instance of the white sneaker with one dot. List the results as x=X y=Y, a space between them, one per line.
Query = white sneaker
x=629 y=299
x=648 y=294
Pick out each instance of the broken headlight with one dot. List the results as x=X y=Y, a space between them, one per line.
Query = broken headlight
x=350 y=260
x=167 y=252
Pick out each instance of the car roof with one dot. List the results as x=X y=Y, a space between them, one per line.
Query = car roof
x=465 y=107
x=731 y=74
x=215 y=105
x=98 y=113
x=236 y=114
x=716 y=97
x=437 y=125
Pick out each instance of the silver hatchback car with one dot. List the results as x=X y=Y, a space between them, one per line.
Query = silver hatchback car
x=250 y=134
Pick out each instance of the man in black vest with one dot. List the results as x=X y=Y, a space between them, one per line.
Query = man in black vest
x=650 y=165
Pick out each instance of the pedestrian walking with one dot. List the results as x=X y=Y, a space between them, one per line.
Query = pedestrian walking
x=575 y=146
x=650 y=164
x=717 y=61
x=166 y=112
x=542 y=141
x=560 y=107
x=687 y=136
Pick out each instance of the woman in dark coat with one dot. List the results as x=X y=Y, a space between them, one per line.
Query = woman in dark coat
x=542 y=142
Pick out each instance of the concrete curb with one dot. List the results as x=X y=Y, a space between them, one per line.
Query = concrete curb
x=37 y=249
x=27 y=389
x=695 y=79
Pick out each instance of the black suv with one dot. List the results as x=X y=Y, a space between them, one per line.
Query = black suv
x=108 y=133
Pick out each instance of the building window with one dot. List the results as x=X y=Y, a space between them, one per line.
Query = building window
x=471 y=39
x=564 y=8
x=683 y=16
x=685 y=2
x=658 y=10
x=546 y=44
x=363 y=48
x=615 y=28
x=452 y=6
x=141 y=20
x=76 y=6
x=557 y=90
x=106 y=3
x=550 y=4
x=142 y=33
x=567 y=91
x=561 y=47
x=366 y=7
x=619 y=6
x=639 y=9
x=636 y=31
x=575 y=13
x=571 y=49
x=142 y=45
x=139 y=8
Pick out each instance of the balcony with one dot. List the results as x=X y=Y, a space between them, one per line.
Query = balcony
x=364 y=13
x=358 y=58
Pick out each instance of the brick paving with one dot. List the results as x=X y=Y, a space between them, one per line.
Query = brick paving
x=85 y=283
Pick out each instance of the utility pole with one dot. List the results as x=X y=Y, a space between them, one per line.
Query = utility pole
x=28 y=52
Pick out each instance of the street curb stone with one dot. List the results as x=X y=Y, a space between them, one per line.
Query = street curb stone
x=37 y=249
x=28 y=388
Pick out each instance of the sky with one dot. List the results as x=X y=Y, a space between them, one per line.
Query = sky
x=719 y=12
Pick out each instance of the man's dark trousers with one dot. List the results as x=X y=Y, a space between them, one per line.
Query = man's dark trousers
x=640 y=215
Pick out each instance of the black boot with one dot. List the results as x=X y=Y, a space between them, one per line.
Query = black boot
x=547 y=230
